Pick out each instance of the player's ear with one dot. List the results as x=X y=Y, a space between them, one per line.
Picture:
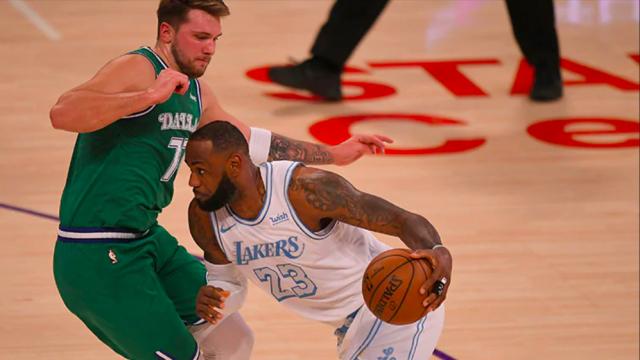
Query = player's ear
x=166 y=33
x=234 y=164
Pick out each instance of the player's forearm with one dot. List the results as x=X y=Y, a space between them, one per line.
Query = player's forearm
x=86 y=111
x=202 y=233
x=379 y=215
x=284 y=148
x=418 y=233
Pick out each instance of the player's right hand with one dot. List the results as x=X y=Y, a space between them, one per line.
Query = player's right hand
x=168 y=82
x=352 y=149
x=209 y=303
x=441 y=264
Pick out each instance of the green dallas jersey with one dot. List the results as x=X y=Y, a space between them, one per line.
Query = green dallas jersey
x=122 y=176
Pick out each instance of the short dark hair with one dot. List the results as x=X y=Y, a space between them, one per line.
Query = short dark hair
x=174 y=12
x=223 y=136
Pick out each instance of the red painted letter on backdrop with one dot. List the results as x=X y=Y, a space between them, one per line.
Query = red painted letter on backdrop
x=369 y=90
x=590 y=76
x=555 y=131
x=335 y=130
x=446 y=72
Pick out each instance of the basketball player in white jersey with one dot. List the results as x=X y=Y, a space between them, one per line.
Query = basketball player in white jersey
x=299 y=233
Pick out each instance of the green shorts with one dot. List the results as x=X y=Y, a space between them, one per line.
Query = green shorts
x=134 y=291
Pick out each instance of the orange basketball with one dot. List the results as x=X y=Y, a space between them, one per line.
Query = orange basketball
x=391 y=286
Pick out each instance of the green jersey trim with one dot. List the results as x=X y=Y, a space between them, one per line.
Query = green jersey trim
x=140 y=113
x=162 y=63
x=148 y=48
x=196 y=82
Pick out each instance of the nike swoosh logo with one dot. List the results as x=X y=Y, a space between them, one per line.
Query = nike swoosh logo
x=193 y=98
x=225 y=229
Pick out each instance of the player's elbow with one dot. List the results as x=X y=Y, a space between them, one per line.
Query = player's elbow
x=64 y=118
x=56 y=115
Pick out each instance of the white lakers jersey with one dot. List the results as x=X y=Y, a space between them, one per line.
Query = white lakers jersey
x=316 y=274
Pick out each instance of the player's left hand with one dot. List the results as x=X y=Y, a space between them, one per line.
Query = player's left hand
x=436 y=287
x=352 y=149
x=209 y=302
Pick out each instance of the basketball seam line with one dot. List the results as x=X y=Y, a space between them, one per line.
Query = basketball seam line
x=406 y=292
x=407 y=261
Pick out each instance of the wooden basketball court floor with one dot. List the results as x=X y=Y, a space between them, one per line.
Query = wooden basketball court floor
x=542 y=224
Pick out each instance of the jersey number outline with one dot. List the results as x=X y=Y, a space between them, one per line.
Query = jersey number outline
x=179 y=144
x=305 y=287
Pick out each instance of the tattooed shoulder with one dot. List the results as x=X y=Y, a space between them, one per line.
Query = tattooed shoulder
x=332 y=195
x=321 y=190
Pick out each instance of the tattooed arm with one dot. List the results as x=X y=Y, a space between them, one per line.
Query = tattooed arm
x=320 y=196
x=284 y=148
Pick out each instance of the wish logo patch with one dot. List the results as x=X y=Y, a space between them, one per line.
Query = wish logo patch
x=280 y=218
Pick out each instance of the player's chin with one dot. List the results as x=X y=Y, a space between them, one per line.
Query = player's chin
x=200 y=198
x=199 y=67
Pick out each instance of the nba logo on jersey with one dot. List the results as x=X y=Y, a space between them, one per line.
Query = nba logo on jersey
x=113 y=257
x=280 y=218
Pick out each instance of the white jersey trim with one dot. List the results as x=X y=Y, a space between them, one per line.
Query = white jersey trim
x=199 y=95
x=367 y=341
x=416 y=337
x=157 y=57
x=147 y=110
x=101 y=235
x=267 y=202
x=140 y=113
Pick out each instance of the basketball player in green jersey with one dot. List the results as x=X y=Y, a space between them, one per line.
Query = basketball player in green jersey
x=116 y=269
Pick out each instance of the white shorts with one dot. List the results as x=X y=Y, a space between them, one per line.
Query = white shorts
x=368 y=338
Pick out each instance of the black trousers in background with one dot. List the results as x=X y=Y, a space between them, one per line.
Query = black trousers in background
x=532 y=21
x=533 y=24
x=348 y=23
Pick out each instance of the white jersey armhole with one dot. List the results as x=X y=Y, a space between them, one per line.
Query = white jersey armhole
x=322 y=234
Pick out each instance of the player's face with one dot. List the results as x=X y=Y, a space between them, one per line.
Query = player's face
x=195 y=42
x=212 y=187
x=224 y=193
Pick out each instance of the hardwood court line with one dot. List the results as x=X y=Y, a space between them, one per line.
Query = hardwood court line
x=28 y=211
x=37 y=20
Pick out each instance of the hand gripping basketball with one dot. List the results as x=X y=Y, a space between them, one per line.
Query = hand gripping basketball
x=394 y=283
x=437 y=285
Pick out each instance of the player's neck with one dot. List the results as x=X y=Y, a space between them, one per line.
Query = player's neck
x=164 y=51
x=249 y=200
